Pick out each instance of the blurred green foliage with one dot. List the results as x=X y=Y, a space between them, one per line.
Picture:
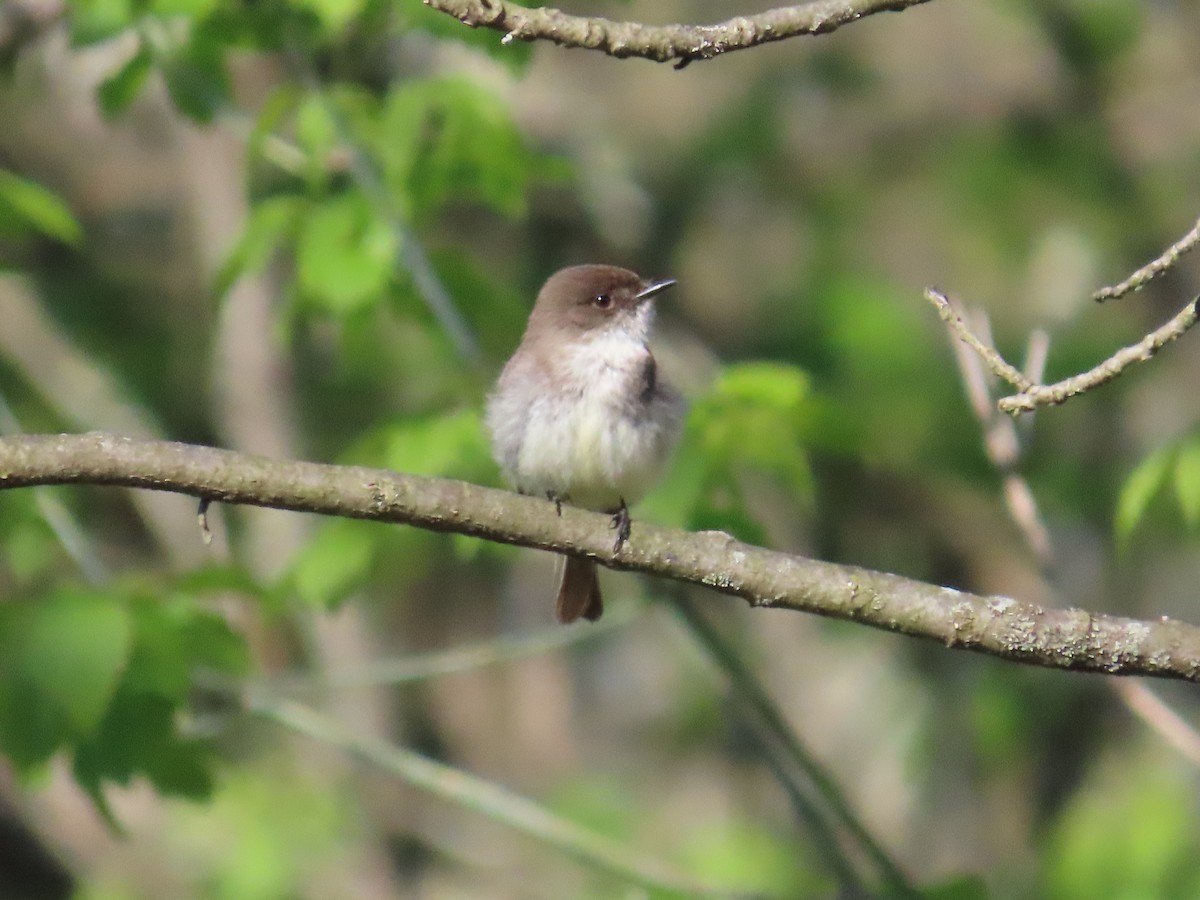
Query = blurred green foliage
x=382 y=155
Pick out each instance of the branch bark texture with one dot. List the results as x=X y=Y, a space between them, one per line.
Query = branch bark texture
x=662 y=43
x=998 y=626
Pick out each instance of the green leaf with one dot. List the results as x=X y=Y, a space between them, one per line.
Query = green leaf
x=272 y=223
x=335 y=562
x=60 y=659
x=334 y=14
x=139 y=737
x=449 y=444
x=1140 y=488
x=196 y=78
x=118 y=90
x=174 y=638
x=345 y=254
x=191 y=9
x=752 y=859
x=30 y=548
x=31 y=205
x=316 y=133
x=968 y=887
x=450 y=139
x=1187 y=481
x=92 y=21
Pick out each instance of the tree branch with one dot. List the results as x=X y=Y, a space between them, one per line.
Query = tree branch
x=997 y=626
x=662 y=43
x=1153 y=269
x=1030 y=396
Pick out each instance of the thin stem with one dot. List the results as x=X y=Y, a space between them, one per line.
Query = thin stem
x=755 y=698
x=488 y=798
x=423 y=666
x=1153 y=269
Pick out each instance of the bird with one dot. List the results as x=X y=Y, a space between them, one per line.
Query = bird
x=581 y=414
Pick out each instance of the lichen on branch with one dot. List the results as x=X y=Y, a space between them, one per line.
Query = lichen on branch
x=680 y=44
x=997 y=626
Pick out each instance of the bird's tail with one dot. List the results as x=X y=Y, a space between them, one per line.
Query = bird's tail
x=579 y=592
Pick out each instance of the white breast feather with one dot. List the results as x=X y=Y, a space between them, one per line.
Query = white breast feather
x=580 y=439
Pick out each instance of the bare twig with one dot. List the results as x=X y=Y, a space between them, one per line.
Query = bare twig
x=423 y=666
x=1160 y=718
x=1001 y=441
x=202 y=521
x=997 y=626
x=1030 y=392
x=485 y=797
x=1030 y=395
x=1005 y=453
x=754 y=701
x=662 y=43
x=1061 y=391
x=950 y=315
x=1152 y=269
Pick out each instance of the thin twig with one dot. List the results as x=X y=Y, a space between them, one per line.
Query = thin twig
x=1031 y=395
x=1160 y=718
x=484 y=797
x=950 y=315
x=1053 y=394
x=1022 y=508
x=423 y=666
x=998 y=626
x=662 y=43
x=754 y=698
x=1152 y=269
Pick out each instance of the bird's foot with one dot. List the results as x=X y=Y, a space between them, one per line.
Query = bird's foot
x=558 y=500
x=623 y=524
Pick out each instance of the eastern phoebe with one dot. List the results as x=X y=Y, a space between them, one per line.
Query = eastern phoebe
x=580 y=414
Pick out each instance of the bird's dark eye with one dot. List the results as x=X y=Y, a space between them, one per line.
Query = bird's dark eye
x=602 y=301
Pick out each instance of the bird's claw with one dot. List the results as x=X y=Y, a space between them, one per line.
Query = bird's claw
x=623 y=524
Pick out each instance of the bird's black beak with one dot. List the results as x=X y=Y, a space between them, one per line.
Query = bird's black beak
x=652 y=288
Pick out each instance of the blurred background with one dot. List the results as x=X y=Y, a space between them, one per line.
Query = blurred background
x=314 y=228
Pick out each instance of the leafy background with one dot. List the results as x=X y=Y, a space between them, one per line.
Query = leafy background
x=314 y=228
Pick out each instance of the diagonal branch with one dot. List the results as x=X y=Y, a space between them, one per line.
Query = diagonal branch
x=998 y=626
x=1152 y=269
x=485 y=797
x=662 y=43
x=1030 y=396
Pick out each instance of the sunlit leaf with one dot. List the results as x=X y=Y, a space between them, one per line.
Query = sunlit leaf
x=60 y=659
x=92 y=21
x=344 y=255
x=451 y=139
x=196 y=79
x=1187 y=481
x=28 y=203
x=1140 y=488
x=334 y=14
x=119 y=90
x=451 y=444
x=334 y=562
x=272 y=223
